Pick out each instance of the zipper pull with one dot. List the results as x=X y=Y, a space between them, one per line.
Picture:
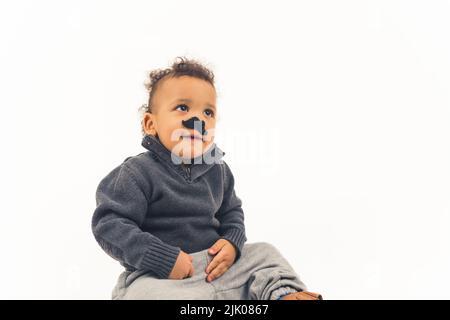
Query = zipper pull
x=187 y=169
x=189 y=172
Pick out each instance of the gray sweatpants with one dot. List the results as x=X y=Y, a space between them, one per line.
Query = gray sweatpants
x=261 y=273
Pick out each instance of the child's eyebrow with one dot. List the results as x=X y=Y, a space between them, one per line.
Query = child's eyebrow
x=189 y=100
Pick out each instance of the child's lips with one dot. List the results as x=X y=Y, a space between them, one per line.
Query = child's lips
x=193 y=137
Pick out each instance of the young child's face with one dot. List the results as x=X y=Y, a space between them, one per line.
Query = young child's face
x=178 y=99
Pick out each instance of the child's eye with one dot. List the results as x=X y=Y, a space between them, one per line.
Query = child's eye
x=185 y=107
x=209 y=113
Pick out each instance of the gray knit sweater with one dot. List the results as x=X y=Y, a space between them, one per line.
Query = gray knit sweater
x=150 y=207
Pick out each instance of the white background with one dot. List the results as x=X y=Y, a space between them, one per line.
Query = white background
x=344 y=107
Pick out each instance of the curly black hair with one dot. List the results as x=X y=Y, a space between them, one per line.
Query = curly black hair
x=181 y=66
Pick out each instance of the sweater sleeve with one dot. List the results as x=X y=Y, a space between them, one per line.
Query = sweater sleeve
x=230 y=214
x=121 y=209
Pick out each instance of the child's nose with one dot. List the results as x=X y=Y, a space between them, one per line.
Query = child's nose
x=196 y=124
x=199 y=116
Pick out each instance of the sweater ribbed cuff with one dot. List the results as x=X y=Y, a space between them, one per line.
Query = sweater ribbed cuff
x=160 y=258
x=237 y=237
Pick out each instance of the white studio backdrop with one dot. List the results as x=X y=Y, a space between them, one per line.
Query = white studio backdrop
x=343 y=108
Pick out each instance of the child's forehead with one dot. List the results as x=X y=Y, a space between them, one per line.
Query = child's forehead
x=188 y=89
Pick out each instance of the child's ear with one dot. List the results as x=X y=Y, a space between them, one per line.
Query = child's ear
x=148 y=124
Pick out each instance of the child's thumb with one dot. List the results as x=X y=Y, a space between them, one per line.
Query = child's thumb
x=213 y=249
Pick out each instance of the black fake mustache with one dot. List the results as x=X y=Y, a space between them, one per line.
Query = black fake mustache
x=190 y=124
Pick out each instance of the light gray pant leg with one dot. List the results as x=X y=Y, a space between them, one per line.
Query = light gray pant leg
x=141 y=285
x=261 y=273
x=120 y=286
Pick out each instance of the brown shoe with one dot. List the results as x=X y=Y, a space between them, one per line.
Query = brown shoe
x=303 y=295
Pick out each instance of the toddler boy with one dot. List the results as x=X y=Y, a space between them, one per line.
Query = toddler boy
x=170 y=215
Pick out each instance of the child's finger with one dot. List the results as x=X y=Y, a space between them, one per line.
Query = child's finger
x=217 y=272
x=214 y=262
x=217 y=246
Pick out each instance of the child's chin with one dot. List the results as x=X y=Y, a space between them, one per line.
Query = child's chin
x=190 y=152
x=191 y=155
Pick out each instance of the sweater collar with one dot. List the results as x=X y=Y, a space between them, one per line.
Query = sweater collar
x=198 y=164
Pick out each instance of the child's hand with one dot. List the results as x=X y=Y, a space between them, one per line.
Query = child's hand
x=183 y=267
x=226 y=254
